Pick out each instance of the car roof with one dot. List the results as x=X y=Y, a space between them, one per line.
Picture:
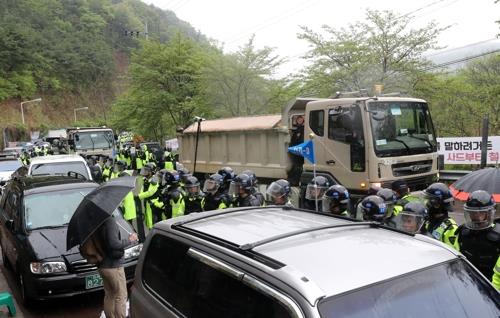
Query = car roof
x=40 y=184
x=57 y=159
x=342 y=256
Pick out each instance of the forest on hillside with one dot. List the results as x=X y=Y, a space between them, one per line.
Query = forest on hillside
x=96 y=54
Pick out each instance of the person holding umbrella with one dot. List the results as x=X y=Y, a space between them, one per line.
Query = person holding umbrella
x=95 y=229
x=479 y=237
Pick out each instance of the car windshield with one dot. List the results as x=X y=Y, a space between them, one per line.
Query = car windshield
x=59 y=169
x=449 y=290
x=52 y=209
x=401 y=128
x=94 y=140
x=9 y=165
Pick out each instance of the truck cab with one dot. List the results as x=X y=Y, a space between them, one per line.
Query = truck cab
x=364 y=141
x=90 y=141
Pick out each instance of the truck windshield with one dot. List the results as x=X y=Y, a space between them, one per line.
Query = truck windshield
x=452 y=289
x=94 y=140
x=401 y=128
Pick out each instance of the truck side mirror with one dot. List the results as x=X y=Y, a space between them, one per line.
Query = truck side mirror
x=77 y=137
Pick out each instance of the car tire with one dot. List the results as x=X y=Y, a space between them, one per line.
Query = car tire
x=5 y=261
x=25 y=298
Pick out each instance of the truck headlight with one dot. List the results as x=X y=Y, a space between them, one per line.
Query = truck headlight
x=47 y=267
x=133 y=251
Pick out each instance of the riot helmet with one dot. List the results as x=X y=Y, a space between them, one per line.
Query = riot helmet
x=213 y=183
x=316 y=188
x=373 y=189
x=438 y=199
x=390 y=199
x=242 y=183
x=120 y=166
x=479 y=210
x=278 y=191
x=400 y=187
x=108 y=163
x=227 y=173
x=170 y=178
x=373 y=208
x=336 y=199
x=252 y=175
x=192 y=186
x=146 y=171
x=412 y=217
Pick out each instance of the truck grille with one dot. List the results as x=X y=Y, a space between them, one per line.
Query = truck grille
x=410 y=168
x=82 y=266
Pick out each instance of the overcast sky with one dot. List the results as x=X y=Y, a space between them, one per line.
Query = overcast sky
x=275 y=23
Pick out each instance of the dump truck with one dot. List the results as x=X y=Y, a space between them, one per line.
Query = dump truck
x=91 y=141
x=358 y=142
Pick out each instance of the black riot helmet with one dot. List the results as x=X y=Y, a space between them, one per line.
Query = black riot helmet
x=336 y=199
x=479 y=210
x=412 y=217
x=213 y=183
x=278 y=191
x=192 y=185
x=373 y=208
x=240 y=182
x=316 y=188
x=171 y=178
x=252 y=175
x=438 y=198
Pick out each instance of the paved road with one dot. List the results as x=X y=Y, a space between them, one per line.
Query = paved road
x=85 y=306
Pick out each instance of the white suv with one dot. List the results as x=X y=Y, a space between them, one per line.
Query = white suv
x=59 y=165
x=284 y=262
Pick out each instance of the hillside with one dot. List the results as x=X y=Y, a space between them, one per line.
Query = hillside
x=73 y=54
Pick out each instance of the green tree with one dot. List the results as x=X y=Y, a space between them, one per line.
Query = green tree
x=165 y=88
x=240 y=84
x=382 y=50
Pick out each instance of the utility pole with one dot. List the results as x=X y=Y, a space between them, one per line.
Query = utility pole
x=146 y=30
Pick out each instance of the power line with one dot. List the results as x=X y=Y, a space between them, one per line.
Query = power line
x=460 y=47
x=465 y=59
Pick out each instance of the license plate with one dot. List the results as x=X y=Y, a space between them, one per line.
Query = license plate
x=93 y=281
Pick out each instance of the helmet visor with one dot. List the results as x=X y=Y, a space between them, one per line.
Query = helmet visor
x=144 y=172
x=409 y=222
x=333 y=205
x=479 y=219
x=210 y=186
x=314 y=191
x=234 y=189
x=275 y=190
x=192 y=189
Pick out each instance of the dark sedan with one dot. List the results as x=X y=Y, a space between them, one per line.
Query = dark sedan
x=34 y=215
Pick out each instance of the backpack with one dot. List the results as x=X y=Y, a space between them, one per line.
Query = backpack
x=92 y=250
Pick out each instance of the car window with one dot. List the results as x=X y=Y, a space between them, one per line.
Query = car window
x=317 y=122
x=451 y=290
x=10 y=165
x=51 y=209
x=59 y=168
x=198 y=290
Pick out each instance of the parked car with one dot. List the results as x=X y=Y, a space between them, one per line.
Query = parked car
x=8 y=165
x=284 y=262
x=59 y=165
x=34 y=216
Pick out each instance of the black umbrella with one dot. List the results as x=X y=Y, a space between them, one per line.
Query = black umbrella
x=95 y=208
x=487 y=179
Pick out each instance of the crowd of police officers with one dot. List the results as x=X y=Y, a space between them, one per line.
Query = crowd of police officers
x=170 y=190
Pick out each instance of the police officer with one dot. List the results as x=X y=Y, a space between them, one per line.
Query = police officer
x=240 y=189
x=174 y=195
x=128 y=203
x=254 y=190
x=168 y=159
x=438 y=203
x=149 y=190
x=403 y=195
x=214 y=197
x=373 y=208
x=107 y=169
x=479 y=237
x=25 y=157
x=279 y=192
x=195 y=199
x=336 y=200
x=315 y=190
x=412 y=217
x=228 y=174
x=118 y=169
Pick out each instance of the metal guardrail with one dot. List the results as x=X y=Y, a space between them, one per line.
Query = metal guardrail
x=452 y=175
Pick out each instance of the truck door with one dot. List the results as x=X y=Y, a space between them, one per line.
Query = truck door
x=344 y=146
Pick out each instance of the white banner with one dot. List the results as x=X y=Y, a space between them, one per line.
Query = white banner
x=467 y=150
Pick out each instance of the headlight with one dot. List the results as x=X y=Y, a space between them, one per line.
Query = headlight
x=133 y=251
x=47 y=267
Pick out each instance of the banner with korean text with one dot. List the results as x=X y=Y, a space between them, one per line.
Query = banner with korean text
x=467 y=150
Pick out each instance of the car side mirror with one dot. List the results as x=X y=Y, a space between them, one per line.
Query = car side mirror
x=77 y=137
x=10 y=225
